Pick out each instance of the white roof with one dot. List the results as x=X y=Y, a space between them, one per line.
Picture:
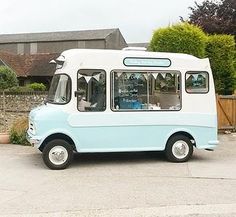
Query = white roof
x=73 y=52
x=102 y=59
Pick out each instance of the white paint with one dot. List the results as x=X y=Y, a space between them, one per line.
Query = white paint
x=109 y=60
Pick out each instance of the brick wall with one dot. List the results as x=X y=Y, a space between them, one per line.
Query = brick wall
x=18 y=105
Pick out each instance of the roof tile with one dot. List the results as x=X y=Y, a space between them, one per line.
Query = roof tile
x=29 y=64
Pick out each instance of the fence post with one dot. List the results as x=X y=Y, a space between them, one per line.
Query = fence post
x=217 y=111
x=234 y=111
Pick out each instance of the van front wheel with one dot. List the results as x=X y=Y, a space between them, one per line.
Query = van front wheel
x=57 y=154
x=179 y=149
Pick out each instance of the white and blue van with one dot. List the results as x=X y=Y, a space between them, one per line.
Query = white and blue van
x=124 y=101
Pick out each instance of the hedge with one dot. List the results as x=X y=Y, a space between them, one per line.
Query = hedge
x=37 y=86
x=180 y=38
x=220 y=50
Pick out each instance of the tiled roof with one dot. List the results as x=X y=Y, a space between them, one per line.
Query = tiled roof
x=1 y=63
x=56 y=36
x=29 y=65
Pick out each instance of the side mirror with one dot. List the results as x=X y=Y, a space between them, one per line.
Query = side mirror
x=77 y=93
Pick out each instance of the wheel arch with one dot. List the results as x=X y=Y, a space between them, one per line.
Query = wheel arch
x=183 y=133
x=57 y=136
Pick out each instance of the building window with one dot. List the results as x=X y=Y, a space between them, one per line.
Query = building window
x=33 y=48
x=91 y=91
x=197 y=82
x=157 y=90
x=20 y=48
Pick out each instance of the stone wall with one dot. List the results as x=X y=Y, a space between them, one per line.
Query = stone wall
x=17 y=105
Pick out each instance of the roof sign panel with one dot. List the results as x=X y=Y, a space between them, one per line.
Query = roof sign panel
x=147 y=62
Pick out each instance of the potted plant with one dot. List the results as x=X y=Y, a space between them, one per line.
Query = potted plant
x=4 y=138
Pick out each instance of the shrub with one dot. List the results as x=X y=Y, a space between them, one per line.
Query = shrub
x=8 y=78
x=19 y=89
x=18 y=132
x=36 y=86
x=221 y=52
x=180 y=38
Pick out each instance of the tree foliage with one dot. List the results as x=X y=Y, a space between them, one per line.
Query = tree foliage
x=179 y=38
x=220 y=50
x=215 y=16
x=8 y=78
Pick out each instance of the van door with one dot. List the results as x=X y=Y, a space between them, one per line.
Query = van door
x=88 y=122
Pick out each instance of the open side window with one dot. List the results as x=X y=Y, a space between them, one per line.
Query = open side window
x=91 y=90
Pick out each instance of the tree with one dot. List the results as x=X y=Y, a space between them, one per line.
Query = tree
x=8 y=78
x=214 y=16
x=220 y=50
x=179 y=38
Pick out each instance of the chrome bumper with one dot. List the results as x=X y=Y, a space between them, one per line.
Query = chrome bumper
x=34 y=141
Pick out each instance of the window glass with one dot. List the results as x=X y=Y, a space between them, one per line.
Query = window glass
x=145 y=91
x=197 y=82
x=60 y=89
x=91 y=93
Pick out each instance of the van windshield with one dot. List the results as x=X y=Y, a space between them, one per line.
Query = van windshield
x=60 y=89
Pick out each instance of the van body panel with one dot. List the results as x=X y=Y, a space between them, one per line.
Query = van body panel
x=112 y=130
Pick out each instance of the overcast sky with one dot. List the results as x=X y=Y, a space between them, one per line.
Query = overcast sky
x=136 y=19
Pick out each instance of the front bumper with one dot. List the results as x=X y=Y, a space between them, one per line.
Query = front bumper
x=33 y=140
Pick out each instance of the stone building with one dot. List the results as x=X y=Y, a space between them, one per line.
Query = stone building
x=56 y=42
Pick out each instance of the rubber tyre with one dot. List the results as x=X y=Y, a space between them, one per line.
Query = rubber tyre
x=168 y=151
x=49 y=146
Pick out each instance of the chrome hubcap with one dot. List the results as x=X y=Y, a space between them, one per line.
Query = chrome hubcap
x=58 y=155
x=180 y=149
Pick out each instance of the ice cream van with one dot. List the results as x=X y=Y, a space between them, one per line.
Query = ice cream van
x=125 y=101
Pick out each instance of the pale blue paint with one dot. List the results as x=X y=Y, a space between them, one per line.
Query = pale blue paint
x=122 y=131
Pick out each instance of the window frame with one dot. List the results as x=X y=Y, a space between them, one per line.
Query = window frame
x=70 y=82
x=143 y=110
x=101 y=70
x=197 y=72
